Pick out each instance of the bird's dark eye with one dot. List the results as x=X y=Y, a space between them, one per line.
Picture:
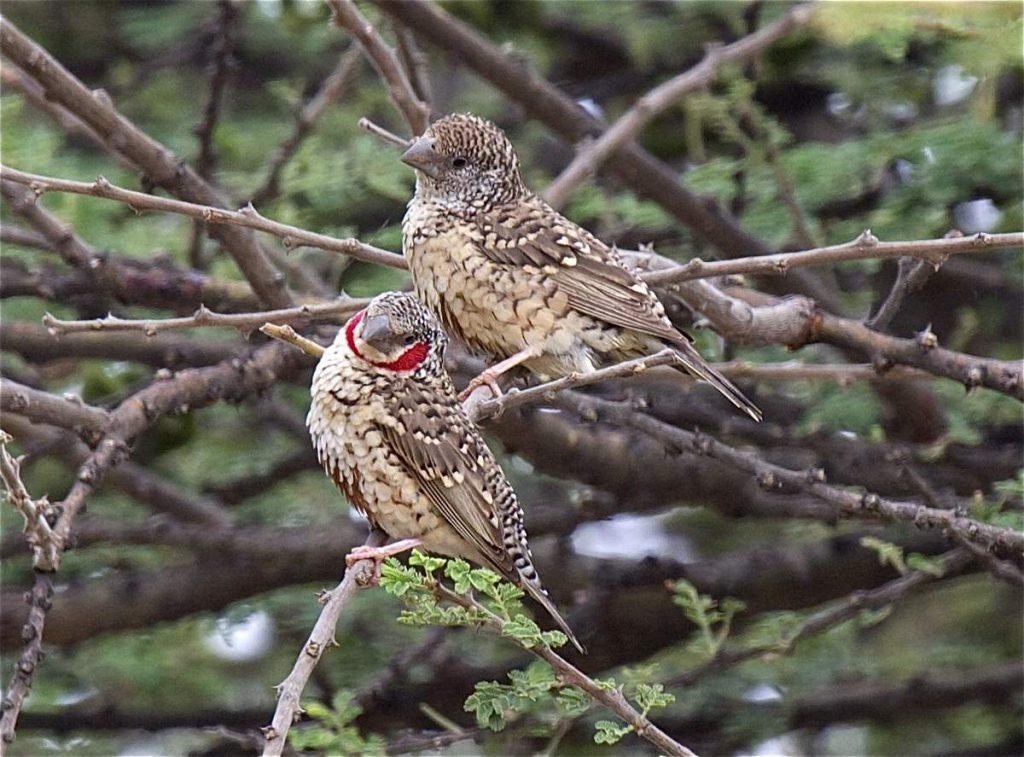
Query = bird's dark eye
x=459 y=162
x=409 y=340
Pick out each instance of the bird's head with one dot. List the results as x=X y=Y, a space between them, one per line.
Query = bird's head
x=396 y=333
x=467 y=162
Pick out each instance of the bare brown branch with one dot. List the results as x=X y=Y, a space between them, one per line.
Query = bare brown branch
x=38 y=599
x=162 y=351
x=44 y=543
x=287 y=335
x=593 y=155
x=934 y=251
x=204 y=318
x=321 y=638
x=292 y=236
x=416 y=112
x=42 y=407
x=334 y=87
x=1003 y=541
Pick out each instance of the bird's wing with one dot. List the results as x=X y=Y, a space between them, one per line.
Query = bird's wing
x=534 y=236
x=439 y=447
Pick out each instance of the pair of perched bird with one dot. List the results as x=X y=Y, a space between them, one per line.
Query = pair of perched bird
x=505 y=273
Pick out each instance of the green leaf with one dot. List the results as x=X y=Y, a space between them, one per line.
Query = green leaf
x=652 y=696
x=888 y=554
x=458 y=571
x=522 y=629
x=607 y=732
x=925 y=564
x=572 y=702
x=428 y=563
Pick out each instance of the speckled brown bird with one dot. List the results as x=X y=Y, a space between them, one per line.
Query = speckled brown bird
x=513 y=278
x=388 y=428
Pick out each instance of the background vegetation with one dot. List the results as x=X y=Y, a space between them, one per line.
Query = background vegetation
x=778 y=623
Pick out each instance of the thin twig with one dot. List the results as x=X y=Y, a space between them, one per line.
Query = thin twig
x=203 y=317
x=165 y=351
x=596 y=152
x=334 y=87
x=38 y=599
x=42 y=407
x=206 y=161
x=287 y=335
x=291 y=236
x=839 y=372
x=46 y=545
x=383 y=134
x=1004 y=570
x=357 y=576
x=24 y=238
x=844 y=610
x=416 y=112
x=935 y=251
x=68 y=121
x=415 y=62
x=494 y=407
x=125 y=279
x=911 y=275
x=223 y=50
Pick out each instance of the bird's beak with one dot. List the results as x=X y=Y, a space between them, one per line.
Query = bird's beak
x=423 y=158
x=376 y=332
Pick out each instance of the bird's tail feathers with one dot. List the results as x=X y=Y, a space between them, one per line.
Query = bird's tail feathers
x=541 y=596
x=690 y=361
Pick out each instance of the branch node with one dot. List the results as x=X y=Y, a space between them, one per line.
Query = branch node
x=767 y=480
x=816 y=476
x=926 y=339
x=871 y=502
x=975 y=377
x=866 y=239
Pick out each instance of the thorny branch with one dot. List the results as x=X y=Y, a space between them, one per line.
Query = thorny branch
x=1002 y=541
x=46 y=545
x=204 y=317
x=934 y=251
x=570 y=675
x=972 y=371
x=38 y=599
x=357 y=576
x=248 y=217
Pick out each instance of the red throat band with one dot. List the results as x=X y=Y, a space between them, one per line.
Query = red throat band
x=407 y=361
